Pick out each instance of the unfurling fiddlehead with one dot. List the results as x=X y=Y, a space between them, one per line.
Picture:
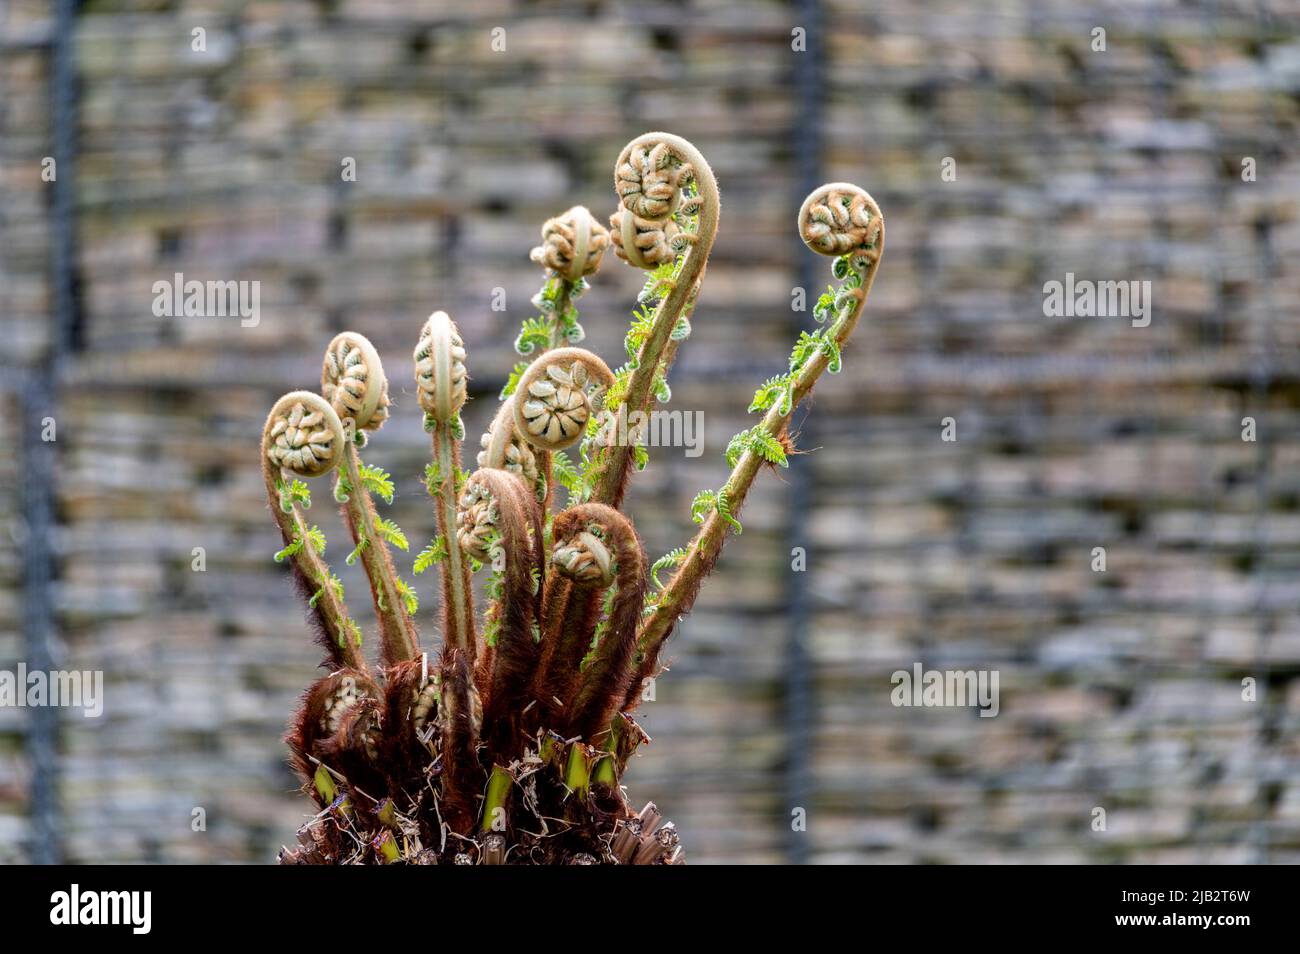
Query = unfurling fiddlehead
x=668 y=213
x=442 y=388
x=338 y=722
x=441 y=381
x=554 y=400
x=303 y=438
x=511 y=746
x=596 y=546
x=837 y=219
x=352 y=380
x=649 y=180
x=499 y=523
x=572 y=245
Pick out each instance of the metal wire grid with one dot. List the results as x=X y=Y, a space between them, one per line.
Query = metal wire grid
x=935 y=319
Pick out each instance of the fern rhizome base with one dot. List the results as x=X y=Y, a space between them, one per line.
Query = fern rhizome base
x=507 y=743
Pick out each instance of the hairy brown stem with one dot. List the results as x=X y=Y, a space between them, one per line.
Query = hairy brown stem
x=336 y=630
x=573 y=245
x=398 y=638
x=569 y=617
x=441 y=386
x=461 y=717
x=457 y=601
x=602 y=683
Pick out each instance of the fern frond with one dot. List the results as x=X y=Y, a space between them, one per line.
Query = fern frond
x=293 y=549
x=724 y=510
x=315 y=537
x=758 y=441
x=435 y=552
x=296 y=491
x=804 y=348
x=391 y=532
x=669 y=559
x=409 y=597
x=335 y=583
x=568 y=476
x=831 y=348
x=512 y=381
x=775 y=390
x=535 y=333
x=704 y=501
x=377 y=480
x=643 y=320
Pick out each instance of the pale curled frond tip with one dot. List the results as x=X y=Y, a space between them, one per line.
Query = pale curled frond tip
x=573 y=245
x=441 y=378
x=353 y=381
x=839 y=218
x=553 y=400
x=303 y=435
x=477 y=520
x=584 y=558
x=650 y=179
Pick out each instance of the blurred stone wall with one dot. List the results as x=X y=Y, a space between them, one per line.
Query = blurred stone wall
x=1120 y=690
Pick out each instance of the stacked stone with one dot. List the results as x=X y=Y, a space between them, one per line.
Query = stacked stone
x=1120 y=689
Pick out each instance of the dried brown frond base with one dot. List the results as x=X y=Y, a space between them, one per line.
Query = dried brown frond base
x=549 y=824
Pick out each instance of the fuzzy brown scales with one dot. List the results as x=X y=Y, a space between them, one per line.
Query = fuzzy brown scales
x=338 y=721
x=410 y=737
x=508 y=745
x=595 y=547
x=503 y=522
x=460 y=719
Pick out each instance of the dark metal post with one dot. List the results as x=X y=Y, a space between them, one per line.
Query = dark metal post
x=799 y=702
x=38 y=397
